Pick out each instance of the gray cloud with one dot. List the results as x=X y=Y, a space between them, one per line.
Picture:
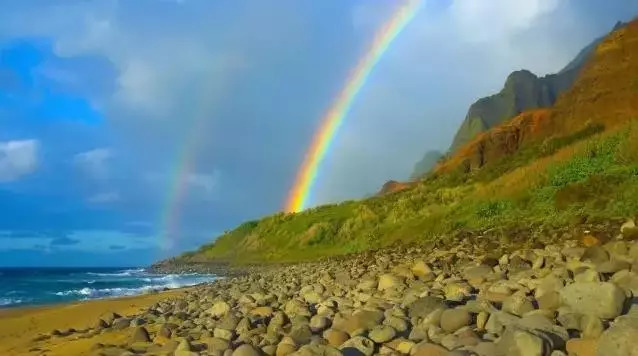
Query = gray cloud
x=17 y=159
x=94 y=163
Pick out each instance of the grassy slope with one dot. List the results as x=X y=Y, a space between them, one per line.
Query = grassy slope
x=578 y=172
x=545 y=185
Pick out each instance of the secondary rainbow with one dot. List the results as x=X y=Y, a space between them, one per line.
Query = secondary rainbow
x=332 y=120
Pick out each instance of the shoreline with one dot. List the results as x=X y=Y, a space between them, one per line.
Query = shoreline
x=21 y=325
x=471 y=297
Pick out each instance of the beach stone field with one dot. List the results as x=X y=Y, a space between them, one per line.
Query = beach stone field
x=576 y=297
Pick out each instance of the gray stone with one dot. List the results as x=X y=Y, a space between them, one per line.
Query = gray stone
x=358 y=345
x=516 y=342
x=317 y=350
x=602 y=299
x=621 y=338
x=454 y=319
x=382 y=333
x=424 y=306
x=389 y=281
x=140 y=334
x=219 y=309
x=319 y=323
x=517 y=304
x=246 y=350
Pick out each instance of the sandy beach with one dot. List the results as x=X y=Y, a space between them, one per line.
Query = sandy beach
x=19 y=327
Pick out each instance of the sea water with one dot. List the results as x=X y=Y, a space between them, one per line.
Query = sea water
x=37 y=286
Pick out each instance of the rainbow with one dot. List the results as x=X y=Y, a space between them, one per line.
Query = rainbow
x=332 y=120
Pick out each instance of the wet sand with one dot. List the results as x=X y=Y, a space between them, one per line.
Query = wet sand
x=20 y=326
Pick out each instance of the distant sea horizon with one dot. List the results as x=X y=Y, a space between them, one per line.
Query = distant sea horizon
x=24 y=286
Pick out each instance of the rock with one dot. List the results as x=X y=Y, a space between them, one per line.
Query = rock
x=110 y=317
x=591 y=326
x=223 y=334
x=596 y=254
x=428 y=349
x=549 y=301
x=263 y=312
x=422 y=270
x=269 y=350
x=319 y=323
x=454 y=319
x=317 y=350
x=389 y=281
x=361 y=320
x=382 y=333
x=418 y=334
x=582 y=347
x=335 y=337
x=621 y=338
x=284 y=349
x=219 y=309
x=422 y=307
x=101 y=324
x=477 y=274
x=587 y=275
x=626 y=280
x=481 y=320
x=184 y=345
x=517 y=304
x=301 y=334
x=457 y=291
x=405 y=346
x=612 y=266
x=312 y=297
x=296 y=307
x=216 y=344
x=358 y=345
x=228 y=322
x=398 y=324
x=602 y=299
x=629 y=230
x=246 y=350
x=140 y=334
x=522 y=343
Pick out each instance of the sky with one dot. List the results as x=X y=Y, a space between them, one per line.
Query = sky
x=134 y=130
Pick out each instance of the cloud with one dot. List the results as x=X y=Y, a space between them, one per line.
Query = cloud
x=506 y=17
x=206 y=183
x=94 y=163
x=64 y=241
x=17 y=159
x=104 y=198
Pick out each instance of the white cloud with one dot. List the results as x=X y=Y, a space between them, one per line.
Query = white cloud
x=487 y=21
x=94 y=163
x=17 y=159
x=105 y=198
x=206 y=183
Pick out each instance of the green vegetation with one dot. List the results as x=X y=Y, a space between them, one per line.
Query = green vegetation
x=589 y=175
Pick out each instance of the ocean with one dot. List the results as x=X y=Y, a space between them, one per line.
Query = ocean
x=37 y=286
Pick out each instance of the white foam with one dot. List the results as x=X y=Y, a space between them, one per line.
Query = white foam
x=171 y=282
x=10 y=301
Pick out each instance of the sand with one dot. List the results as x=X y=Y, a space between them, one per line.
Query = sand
x=19 y=326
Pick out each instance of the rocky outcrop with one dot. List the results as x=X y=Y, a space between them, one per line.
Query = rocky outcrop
x=393 y=186
x=522 y=91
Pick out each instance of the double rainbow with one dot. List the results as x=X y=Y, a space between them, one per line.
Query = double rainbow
x=330 y=123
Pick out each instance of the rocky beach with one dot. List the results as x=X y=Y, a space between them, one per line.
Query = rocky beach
x=469 y=298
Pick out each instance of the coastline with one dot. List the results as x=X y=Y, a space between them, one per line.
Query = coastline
x=469 y=297
x=20 y=326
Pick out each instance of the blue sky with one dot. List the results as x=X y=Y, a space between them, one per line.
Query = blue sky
x=98 y=99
